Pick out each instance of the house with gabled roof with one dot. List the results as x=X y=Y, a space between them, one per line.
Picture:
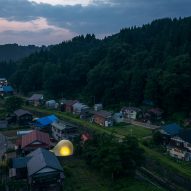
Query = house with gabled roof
x=23 y=117
x=33 y=140
x=36 y=99
x=44 y=167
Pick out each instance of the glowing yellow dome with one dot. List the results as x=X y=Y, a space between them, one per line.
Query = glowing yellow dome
x=63 y=148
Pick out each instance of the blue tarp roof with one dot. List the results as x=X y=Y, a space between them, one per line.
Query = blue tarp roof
x=44 y=121
x=172 y=129
x=7 y=89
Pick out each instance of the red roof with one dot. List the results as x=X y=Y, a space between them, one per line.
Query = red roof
x=85 y=137
x=35 y=136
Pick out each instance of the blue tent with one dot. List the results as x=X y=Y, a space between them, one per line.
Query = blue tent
x=45 y=121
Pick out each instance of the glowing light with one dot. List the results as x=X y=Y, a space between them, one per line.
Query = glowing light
x=63 y=148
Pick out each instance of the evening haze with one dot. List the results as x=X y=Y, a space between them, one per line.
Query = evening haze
x=45 y=22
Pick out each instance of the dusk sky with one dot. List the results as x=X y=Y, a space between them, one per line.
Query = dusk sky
x=44 y=22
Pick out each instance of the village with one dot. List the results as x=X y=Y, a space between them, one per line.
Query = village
x=30 y=132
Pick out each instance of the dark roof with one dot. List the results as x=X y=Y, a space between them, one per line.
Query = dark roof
x=35 y=136
x=21 y=112
x=35 y=97
x=103 y=113
x=70 y=102
x=44 y=121
x=20 y=162
x=185 y=134
x=156 y=111
x=171 y=129
x=42 y=158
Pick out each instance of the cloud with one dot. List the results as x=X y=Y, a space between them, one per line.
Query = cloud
x=91 y=16
x=37 y=32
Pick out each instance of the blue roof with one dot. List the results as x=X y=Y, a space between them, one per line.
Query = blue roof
x=20 y=162
x=7 y=89
x=172 y=129
x=44 y=121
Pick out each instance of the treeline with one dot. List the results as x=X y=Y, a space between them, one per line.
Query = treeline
x=151 y=62
x=15 y=52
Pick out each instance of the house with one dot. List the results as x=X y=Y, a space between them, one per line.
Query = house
x=118 y=117
x=44 y=122
x=98 y=107
x=103 y=118
x=36 y=99
x=67 y=105
x=35 y=139
x=180 y=146
x=80 y=109
x=40 y=167
x=131 y=113
x=51 y=104
x=23 y=117
x=44 y=168
x=3 y=82
x=169 y=131
x=155 y=114
x=64 y=130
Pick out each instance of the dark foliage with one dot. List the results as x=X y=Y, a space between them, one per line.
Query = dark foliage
x=152 y=62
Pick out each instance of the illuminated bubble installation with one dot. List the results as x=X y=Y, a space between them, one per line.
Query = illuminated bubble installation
x=63 y=148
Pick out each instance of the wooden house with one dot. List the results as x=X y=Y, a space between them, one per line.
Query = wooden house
x=67 y=105
x=23 y=117
x=103 y=118
x=36 y=99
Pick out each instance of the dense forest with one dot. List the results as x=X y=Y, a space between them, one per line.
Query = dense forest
x=152 y=62
x=15 y=52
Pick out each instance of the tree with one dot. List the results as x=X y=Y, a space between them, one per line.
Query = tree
x=12 y=103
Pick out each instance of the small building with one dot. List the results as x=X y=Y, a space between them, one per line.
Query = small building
x=98 y=107
x=64 y=130
x=118 y=117
x=36 y=99
x=155 y=114
x=44 y=168
x=179 y=148
x=169 y=131
x=23 y=117
x=67 y=105
x=51 y=104
x=131 y=113
x=35 y=139
x=3 y=82
x=103 y=118
x=80 y=109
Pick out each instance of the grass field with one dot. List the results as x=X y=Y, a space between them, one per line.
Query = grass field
x=80 y=177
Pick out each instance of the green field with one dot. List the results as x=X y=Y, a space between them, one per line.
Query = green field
x=133 y=130
x=80 y=177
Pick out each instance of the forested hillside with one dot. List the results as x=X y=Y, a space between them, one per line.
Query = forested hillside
x=149 y=62
x=15 y=52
